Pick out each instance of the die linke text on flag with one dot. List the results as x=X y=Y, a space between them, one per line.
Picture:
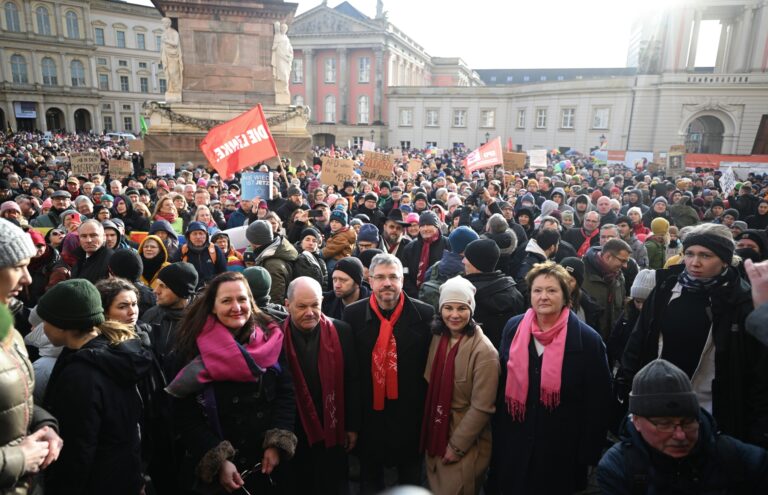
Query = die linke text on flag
x=487 y=155
x=240 y=143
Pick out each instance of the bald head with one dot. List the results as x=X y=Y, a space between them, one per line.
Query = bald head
x=303 y=302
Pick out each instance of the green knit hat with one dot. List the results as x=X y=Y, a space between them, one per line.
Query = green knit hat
x=72 y=305
x=259 y=280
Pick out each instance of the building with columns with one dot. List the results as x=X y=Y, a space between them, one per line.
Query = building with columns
x=78 y=65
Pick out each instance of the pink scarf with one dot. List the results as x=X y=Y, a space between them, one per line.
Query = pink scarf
x=516 y=390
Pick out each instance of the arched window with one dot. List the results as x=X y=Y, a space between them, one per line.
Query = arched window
x=50 y=78
x=298 y=101
x=19 y=69
x=73 y=27
x=330 y=109
x=12 y=17
x=43 y=21
x=78 y=73
x=363 y=110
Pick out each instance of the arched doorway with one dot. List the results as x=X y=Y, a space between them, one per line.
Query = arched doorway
x=54 y=120
x=324 y=140
x=705 y=135
x=82 y=120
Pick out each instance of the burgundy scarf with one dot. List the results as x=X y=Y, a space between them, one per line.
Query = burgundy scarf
x=424 y=258
x=384 y=356
x=436 y=423
x=330 y=367
x=587 y=241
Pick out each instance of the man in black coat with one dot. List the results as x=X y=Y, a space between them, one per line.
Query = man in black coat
x=369 y=208
x=392 y=239
x=430 y=239
x=347 y=287
x=93 y=255
x=392 y=395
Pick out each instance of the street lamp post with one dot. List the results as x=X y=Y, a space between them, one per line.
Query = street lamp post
x=487 y=136
x=373 y=133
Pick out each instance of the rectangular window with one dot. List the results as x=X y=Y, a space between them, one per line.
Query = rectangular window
x=298 y=71
x=405 y=145
x=127 y=108
x=330 y=70
x=144 y=84
x=406 y=117
x=163 y=86
x=121 y=39
x=122 y=63
x=432 y=117
x=128 y=124
x=567 y=118
x=459 y=118
x=364 y=70
x=106 y=106
x=541 y=118
x=99 y=32
x=108 y=123
x=521 y=118
x=101 y=61
x=141 y=42
x=158 y=42
x=142 y=65
x=510 y=78
x=358 y=141
x=600 y=118
x=124 y=87
x=488 y=118
x=104 y=82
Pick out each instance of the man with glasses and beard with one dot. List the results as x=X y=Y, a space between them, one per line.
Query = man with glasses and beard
x=60 y=202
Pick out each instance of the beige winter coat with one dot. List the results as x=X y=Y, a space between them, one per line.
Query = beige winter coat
x=476 y=373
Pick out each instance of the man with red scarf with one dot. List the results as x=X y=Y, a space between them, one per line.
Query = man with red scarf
x=587 y=236
x=392 y=338
x=320 y=352
x=423 y=252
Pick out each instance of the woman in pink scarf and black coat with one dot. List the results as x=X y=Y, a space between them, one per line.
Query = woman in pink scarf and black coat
x=554 y=394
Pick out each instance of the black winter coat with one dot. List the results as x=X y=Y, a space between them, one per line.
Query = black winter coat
x=93 y=268
x=162 y=334
x=392 y=435
x=410 y=258
x=548 y=452
x=530 y=259
x=497 y=300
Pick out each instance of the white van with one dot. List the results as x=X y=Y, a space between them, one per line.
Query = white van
x=116 y=136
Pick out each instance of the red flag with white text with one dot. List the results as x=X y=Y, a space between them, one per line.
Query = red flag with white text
x=485 y=156
x=240 y=143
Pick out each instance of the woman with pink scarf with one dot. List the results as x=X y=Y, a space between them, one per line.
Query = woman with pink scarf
x=554 y=394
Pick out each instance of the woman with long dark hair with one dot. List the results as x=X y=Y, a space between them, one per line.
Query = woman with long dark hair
x=234 y=401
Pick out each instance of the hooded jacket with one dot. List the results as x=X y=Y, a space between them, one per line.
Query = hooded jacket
x=172 y=242
x=208 y=260
x=92 y=391
x=683 y=213
x=533 y=255
x=131 y=218
x=277 y=258
x=159 y=264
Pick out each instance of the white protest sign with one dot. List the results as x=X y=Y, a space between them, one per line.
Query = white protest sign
x=166 y=168
x=537 y=158
x=728 y=181
x=369 y=145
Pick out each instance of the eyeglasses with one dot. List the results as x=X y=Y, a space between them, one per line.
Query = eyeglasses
x=381 y=278
x=624 y=261
x=687 y=425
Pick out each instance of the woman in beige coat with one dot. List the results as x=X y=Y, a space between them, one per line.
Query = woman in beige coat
x=463 y=374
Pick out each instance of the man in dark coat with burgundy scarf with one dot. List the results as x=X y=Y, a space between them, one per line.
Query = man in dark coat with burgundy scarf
x=321 y=354
x=423 y=252
x=392 y=336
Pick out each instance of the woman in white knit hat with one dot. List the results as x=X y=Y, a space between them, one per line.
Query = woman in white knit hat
x=463 y=374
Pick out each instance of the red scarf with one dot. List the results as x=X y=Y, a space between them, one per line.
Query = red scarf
x=384 y=356
x=424 y=258
x=587 y=241
x=516 y=390
x=436 y=423
x=330 y=367
x=171 y=217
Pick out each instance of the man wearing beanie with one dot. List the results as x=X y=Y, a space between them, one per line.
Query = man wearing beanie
x=367 y=238
x=261 y=284
x=347 y=287
x=273 y=252
x=698 y=312
x=370 y=208
x=656 y=243
x=93 y=255
x=670 y=445
x=204 y=255
x=538 y=250
x=497 y=297
x=450 y=265
x=426 y=250
x=174 y=289
x=127 y=264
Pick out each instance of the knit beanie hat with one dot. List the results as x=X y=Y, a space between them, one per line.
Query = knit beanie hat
x=660 y=199
x=662 y=390
x=352 y=267
x=181 y=278
x=259 y=233
x=72 y=305
x=258 y=280
x=367 y=256
x=659 y=226
x=429 y=218
x=193 y=226
x=460 y=237
x=721 y=246
x=37 y=237
x=497 y=224
x=731 y=212
x=15 y=244
x=738 y=224
x=483 y=254
x=310 y=231
x=339 y=216
x=368 y=233
x=458 y=290
x=575 y=268
x=644 y=283
x=127 y=264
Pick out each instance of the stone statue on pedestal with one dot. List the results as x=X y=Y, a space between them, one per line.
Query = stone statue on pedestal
x=282 y=60
x=170 y=57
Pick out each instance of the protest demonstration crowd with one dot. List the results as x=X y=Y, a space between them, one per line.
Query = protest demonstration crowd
x=552 y=330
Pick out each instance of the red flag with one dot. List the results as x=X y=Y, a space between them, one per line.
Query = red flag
x=240 y=143
x=487 y=155
x=509 y=144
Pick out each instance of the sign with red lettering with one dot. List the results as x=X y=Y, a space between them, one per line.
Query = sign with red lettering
x=240 y=143
x=485 y=156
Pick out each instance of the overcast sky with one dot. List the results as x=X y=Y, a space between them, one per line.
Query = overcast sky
x=523 y=33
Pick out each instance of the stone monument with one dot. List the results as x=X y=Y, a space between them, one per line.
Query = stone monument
x=221 y=58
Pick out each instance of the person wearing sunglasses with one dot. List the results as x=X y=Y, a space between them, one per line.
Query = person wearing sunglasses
x=671 y=445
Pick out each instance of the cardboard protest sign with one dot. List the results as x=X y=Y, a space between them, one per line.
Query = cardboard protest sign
x=538 y=158
x=485 y=156
x=514 y=161
x=676 y=160
x=336 y=171
x=377 y=166
x=728 y=181
x=120 y=168
x=136 y=146
x=166 y=168
x=240 y=143
x=369 y=145
x=414 y=166
x=256 y=185
x=85 y=163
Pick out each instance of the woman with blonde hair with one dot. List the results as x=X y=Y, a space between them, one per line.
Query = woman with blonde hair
x=166 y=210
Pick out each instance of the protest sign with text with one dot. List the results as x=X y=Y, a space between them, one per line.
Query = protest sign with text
x=514 y=161
x=485 y=156
x=414 y=166
x=120 y=168
x=377 y=166
x=85 y=163
x=369 y=145
x=336 y=171
x=728 y=181
x=240 y=143
x=256 y=185
x=676 y=160
x=538 y=158
x=166 y=168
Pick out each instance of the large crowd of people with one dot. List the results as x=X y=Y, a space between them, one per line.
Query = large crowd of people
x=539 y=331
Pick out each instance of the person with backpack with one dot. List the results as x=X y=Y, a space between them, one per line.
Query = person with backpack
x=272 y=252
x=669 y=444
x=204 y=255
x=450 y=265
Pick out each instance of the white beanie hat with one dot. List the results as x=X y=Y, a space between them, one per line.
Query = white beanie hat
x=644 y=283
x=458 y=290
x=15 y=244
